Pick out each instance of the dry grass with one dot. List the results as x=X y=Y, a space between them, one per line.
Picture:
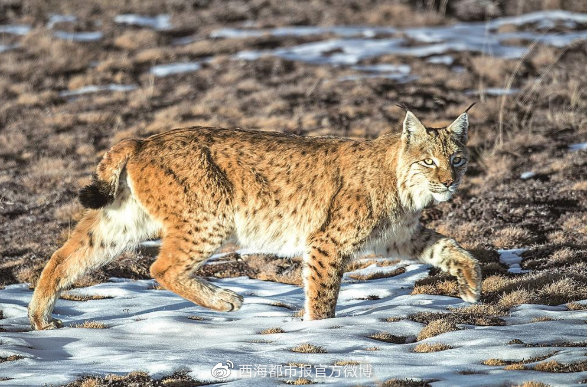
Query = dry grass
x=308 y=348
x=10 y=358
x=511 y=237
x=137 y=378
x=271 y=331
x=404 y=383
x=80 y=297
x=555 y=366
x=494 y=362
x=371 y=349
x=542 y=318
x=516 y=364
x=575 y=306
x=299 y=382
x=435 y=328
x=388 y=338
x=532 y=384
x=197 y=318
x=433 y=347
x=346 y=363
x=90 y=325
x=394 y=319
x=377 y=274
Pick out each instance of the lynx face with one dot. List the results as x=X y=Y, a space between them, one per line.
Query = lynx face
x=435 y=158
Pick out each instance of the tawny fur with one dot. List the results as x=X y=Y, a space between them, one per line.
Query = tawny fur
x=325 y=198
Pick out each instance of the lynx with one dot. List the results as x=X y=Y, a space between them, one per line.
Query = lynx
x=325 y=198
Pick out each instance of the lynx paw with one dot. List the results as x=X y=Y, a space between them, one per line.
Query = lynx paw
x=227 y=301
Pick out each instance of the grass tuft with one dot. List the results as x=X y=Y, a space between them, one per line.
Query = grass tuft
x=90 y=325
x=434 y=347
x=435 y=328
x=388 y=338
x=309 y=348
x=79 y=297
x=376 y=274
x=10 y=358
x=271 y=331
x=299 y=382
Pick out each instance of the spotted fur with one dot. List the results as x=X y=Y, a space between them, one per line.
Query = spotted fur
x=325 y=198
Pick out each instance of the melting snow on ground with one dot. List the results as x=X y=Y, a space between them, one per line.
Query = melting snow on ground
x=353 y=44
x=512 y=258
x=158 y=332
x=97 y=88
x=174 y=68
x=159 y=22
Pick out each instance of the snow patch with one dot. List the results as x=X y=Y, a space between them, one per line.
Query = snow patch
x=55 y=19
x=15 y=29
x=576 y=147
x=512 y=258
x=97 y=88
x=158 y=332
x=527 y=175
x=91 y=36
x=159 y=22
x=174 y=68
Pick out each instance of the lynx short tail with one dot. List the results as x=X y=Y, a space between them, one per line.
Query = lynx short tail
x=103 y=189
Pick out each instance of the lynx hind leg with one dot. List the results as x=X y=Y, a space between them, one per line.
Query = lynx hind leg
x=322 y=273
x=97 y=239
x=185 y=248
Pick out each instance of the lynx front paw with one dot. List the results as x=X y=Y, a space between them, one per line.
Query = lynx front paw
x=227 y=301
x=469 y=280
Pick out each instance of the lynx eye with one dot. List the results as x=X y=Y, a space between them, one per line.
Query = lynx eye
x=457 y=161
x=429 y=162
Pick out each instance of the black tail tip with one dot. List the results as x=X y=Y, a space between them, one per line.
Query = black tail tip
x=96 y=195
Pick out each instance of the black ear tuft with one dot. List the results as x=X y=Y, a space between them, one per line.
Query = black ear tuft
x=96 y=195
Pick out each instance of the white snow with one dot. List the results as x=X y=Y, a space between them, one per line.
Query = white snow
x=352 y=44
x=15 y=29
x=149 y=330
x=512 y=258
x=90 y=36
x=579 y=146
x=174 y=68
x=441 y=59
x=159 y=22
x=493 y=91
x=55 y=19
x=97 y=88
x=527 y=175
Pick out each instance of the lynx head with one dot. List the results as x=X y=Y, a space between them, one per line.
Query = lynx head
x=432 y=160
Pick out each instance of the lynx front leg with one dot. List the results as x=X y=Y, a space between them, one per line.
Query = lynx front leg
x=433 y=248
x=323 y=269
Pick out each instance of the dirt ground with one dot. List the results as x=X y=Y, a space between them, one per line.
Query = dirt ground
x=50 y=143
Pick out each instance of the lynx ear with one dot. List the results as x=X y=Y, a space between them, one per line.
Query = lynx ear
x=459 y=127
x=411 y=126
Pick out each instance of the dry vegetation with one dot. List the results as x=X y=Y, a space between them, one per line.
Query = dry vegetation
x=271 y=331
x=388 y=338
x=431 y=347
x=309 y=348
x=90 y=325
x=137 y=378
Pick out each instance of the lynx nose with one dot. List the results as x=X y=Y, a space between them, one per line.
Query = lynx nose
x=447 y=183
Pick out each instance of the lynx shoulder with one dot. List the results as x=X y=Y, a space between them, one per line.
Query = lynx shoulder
x=324 y=198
